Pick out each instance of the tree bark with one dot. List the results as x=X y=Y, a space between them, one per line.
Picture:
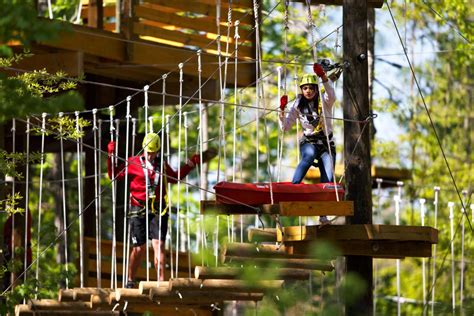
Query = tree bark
x=357 y=151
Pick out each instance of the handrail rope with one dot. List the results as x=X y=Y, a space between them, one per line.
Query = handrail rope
x=43 y=131
x=430 y=118
x=311 y=27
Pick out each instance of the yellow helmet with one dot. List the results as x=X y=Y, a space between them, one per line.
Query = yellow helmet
x=151 y=142
x=308 y=79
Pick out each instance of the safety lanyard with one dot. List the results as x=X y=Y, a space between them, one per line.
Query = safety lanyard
x=152 y=188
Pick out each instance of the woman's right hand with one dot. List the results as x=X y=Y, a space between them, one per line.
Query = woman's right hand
x=283 y=102
x=111 y=147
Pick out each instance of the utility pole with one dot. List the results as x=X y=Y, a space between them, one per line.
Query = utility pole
x=357 y=140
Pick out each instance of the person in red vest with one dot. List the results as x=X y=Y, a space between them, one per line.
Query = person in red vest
x=317 y=142
x=143 y=169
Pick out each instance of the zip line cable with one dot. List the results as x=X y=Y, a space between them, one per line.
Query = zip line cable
x=454 y=27
x=430 y=118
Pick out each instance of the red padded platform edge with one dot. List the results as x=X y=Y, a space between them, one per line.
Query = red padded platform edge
x=259 y=193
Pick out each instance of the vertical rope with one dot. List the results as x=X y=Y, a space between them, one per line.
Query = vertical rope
x=241 y=153
x=461 y=287
x=178 y=198
x=79 y=197
x=311 y=27
x=99 y=192
x=113 y=285
x=379 y=210
x=13 y=130
x=63 y=188
x=201 y=144
x=398 y=199
x=27 y=198
x=423 y=260
x=433 y=278
x=161 y=174
x=125 y=194
x=221 y=118
x=281 y=133
x=40 y=200
x=168 y=157
x=257 y=93
x=234 y=131
x=128 y=236
x=451 y=225
x=96 y=191
x=295 y=78
x=285 y=44
x=188 y=232
x=147 y=184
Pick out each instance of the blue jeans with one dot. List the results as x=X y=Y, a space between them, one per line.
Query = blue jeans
x=325 y=163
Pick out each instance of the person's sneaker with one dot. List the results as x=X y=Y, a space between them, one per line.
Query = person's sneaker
x=323 y=220
x=130 y=284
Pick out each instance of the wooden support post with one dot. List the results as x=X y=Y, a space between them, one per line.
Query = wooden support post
x=95 y=14
x=357 y=151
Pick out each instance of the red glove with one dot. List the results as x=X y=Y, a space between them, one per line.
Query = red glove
x=318 y=70
x=283 y=102
x=111 y=147
x=194 y=160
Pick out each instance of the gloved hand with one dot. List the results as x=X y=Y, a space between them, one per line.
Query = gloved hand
x=111 y=147
x=283 y=102
x=318 y=70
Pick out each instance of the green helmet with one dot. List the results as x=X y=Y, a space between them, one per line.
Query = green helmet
x=308 y=79
x=151 y=142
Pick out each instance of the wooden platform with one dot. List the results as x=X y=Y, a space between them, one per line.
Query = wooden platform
x=389 y=175
x=370 y=3
x=313 y=208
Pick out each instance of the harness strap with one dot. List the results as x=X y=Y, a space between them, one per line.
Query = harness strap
x=152 y=188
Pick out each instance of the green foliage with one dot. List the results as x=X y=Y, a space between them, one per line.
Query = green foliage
x=19 y=23
x=10 y=204
x=9 y=162
x=65 y=127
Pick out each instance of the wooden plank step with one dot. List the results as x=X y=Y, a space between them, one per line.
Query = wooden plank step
x=311 y=208
x=200 y=297
x=388 y=249
x=288 y=262
x=359 y=232
x=81 y=294
x=231 y=273
x=262 y=235
x=219 y=286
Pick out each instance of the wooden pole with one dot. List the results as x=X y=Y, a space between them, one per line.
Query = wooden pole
x=357 y=140
x=307 y=264
x=216 y=285
x=230 y=273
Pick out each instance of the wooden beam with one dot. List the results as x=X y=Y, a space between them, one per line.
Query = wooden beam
x=144 y=286
x=254 y=250
x=49 y=304
x=298 y=263
x=360 y=232
x=262 y=235
x=112 y=46
x=389 y=249
x=217 y=285
x=145 y=29
x=230 y=273
x=70 y=63
x=95 y=14
x=207 y=9
x=370 y=3
x=81 y=294
x=200 y=297
x=310 y=208
x=205 y=24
